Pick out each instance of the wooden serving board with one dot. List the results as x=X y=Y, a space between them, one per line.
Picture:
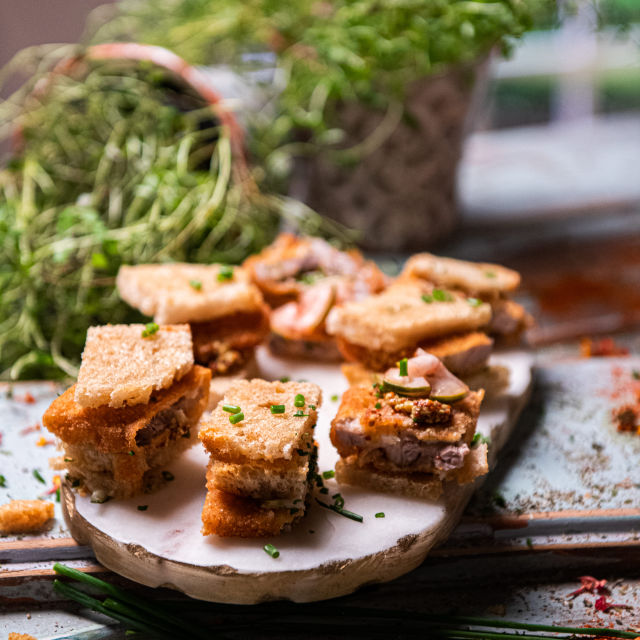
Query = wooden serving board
x=325 y=556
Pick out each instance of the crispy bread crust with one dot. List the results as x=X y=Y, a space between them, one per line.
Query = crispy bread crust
x=398 y=319
x=24 y=516
x=165 y=292
x=120 y=367
x=227 y=515
x=479 y=278
x=262 y=435
x=114 y=430
x=359 y=403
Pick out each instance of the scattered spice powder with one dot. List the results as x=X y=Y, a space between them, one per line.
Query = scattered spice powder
x=602 y=348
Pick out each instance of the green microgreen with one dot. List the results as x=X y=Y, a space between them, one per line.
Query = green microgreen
x=236 y=417
x=378 y=405
x=58 y=494
x=150 y=329
x=478 y=438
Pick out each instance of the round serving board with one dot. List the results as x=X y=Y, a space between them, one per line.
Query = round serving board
x=326 y=555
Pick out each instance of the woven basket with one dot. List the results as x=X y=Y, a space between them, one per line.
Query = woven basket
x=401 y=195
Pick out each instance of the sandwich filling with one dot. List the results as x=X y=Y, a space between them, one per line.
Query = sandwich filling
x=227 y=344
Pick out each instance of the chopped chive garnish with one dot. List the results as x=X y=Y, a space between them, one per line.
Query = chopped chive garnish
x=343 y=512
x=293 y=510
x=132 y=453
x=149 y=329
x=441 y=295
x=225 y=273
x=403 y=366
x=312 y=407
x=3 y=481
x=196 y=284
x=277 y=408
x=338 y=501
x=298 y=401
x=271 y=550
x=231 y=408
x=68 y=459
x=328 y=474
x=301 y=452
x=334 y=397
x=300 y=414
x=378 y=405
x=478 y=438
x=380 y=514
x=143 y=507
x=168 y=476
x=38 y=476
x=498 y=499
x=324 y=490
x=427 y=298
x=490 y=274
x=474 y=302
x=636 y=374
x=100 y=500
x=58 y=494
x=236 y=417
x=285 y=379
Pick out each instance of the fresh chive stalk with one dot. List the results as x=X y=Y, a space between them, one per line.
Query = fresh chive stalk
x=38 y=476
x=343 y=512
x=231 y=408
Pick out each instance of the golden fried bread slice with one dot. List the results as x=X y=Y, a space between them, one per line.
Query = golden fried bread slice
x=120 y=367
x=261 y=434
x=111 y=430
x=25 y=516
x=181 y=292
x=480 y=278
x=403 y=316
x=228 y=515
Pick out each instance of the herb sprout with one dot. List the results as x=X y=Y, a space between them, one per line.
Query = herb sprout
x=114 y=162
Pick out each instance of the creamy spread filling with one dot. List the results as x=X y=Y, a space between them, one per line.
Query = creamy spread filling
x=172 y=422
x=403 y=449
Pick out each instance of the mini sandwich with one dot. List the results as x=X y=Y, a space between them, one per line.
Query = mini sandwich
x=260 y=439
x=490 y=283
x=226 y=313
x=133 y=409
x=380 y=330
x=305 y=278
x=410 y=433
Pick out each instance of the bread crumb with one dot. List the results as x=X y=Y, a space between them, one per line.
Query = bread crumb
x=24 y=516
x=21 y=636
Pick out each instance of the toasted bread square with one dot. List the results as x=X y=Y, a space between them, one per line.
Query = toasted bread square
x=180 y=292
x=228 y=515
x=400 y=318
x=262 y=435
x=111 y=430
x=479 y=278
x=24 y=516
x=121 y=368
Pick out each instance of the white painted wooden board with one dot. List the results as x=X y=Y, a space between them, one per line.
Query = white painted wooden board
x=325 y=556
